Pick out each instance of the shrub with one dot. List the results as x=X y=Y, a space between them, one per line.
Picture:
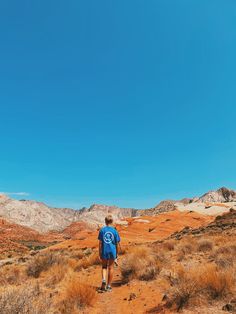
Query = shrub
x=225 y=256
x=141 y=264
x=24 y=299
x=228 y=250
x=224 y=261
x=56 y=273
x=87 y=261
x=190 y=284
x=204 y=246
x=186 y=248
x=185 y=287
x=122 y=250
x=11 y=275
x=76 y=295
x=41 y=263
x=168 y=245
x=217 y=283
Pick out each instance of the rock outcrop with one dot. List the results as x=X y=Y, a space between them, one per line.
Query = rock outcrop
x=96 y=213
x=36 y=215
x=222 y=195
x=162 y=207
x=222 y=223
x=40 y=217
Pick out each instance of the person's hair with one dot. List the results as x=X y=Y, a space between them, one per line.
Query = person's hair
x=109 y=220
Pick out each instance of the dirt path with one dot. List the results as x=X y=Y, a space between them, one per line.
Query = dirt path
x=137 y=297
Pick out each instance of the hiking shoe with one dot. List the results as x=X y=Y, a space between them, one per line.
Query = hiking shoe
x=103 y=286
x=108 y=288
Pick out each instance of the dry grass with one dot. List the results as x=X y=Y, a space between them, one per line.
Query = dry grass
x=76 y=295
x=88 y=261
x=187 y=246
x=22 y=300
x=168 y=246
x=42 y=263
x=55 y=274
x=217 y=283
x=122 y=250
x=12 y=275
x=224 y=256
x=78 y=255
x=204 y=246
x=72 y=263
x=189 y=285
x=185 y=288
x=140 y=264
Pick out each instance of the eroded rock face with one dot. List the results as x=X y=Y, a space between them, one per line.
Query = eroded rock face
x=162 y=207
x=221 y=223
x=43 y=218
x=222 y=195
x=97 y=213
x=36 y=215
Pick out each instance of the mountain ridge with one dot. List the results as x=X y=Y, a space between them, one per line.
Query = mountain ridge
x=43 y=218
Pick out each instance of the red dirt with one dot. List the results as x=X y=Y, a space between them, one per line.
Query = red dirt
x=139 y=231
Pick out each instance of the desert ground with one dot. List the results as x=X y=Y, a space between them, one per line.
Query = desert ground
x=182 y=260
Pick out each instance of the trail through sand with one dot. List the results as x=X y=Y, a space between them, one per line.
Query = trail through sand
x=137 y=297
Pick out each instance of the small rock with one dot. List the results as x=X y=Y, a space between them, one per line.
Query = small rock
x=228 y=307
x=165 y=297
x=132 y=296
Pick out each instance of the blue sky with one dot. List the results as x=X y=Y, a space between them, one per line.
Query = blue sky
x=117 y=102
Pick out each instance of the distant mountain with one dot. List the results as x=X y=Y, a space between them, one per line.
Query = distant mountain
x=96 y=213
x=221 y=195
x=162 y=207
x=40 y=217
x=36 y=215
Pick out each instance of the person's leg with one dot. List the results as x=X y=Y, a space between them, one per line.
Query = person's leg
x=110 y=271
x=104 y=273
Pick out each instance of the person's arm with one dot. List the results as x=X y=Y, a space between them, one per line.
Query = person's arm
x=117 y=243
x=100 y=244
x=117 y=250
x=100 y=248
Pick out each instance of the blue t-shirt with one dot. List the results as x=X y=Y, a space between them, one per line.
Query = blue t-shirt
x=109 y=237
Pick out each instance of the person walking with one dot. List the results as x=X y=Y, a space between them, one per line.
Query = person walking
x=108 y=251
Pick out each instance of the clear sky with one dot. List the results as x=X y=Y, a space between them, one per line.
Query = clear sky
x=119 y=102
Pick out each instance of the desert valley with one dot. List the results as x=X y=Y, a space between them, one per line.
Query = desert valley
x=178 y=256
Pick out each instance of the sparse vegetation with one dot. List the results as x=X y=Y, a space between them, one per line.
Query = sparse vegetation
x=204 y=282
x=87 y=261
x=204 y=246
x=168 y=245
x=12 y=275
x=24 y=299
x=140 y=264
x=194 y=269
x=76 y=295
x=217 y=283
x=41 y=263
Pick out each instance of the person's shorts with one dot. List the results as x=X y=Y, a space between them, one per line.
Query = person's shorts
x=108 y=255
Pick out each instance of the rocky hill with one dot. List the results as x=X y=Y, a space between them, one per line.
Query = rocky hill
x=40 y=217
x=162 y=207
x=96 y=213
x=222 y=223
x=221 y=195
x=36 y=215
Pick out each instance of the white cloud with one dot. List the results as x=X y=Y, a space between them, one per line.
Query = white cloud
x=15 y=193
